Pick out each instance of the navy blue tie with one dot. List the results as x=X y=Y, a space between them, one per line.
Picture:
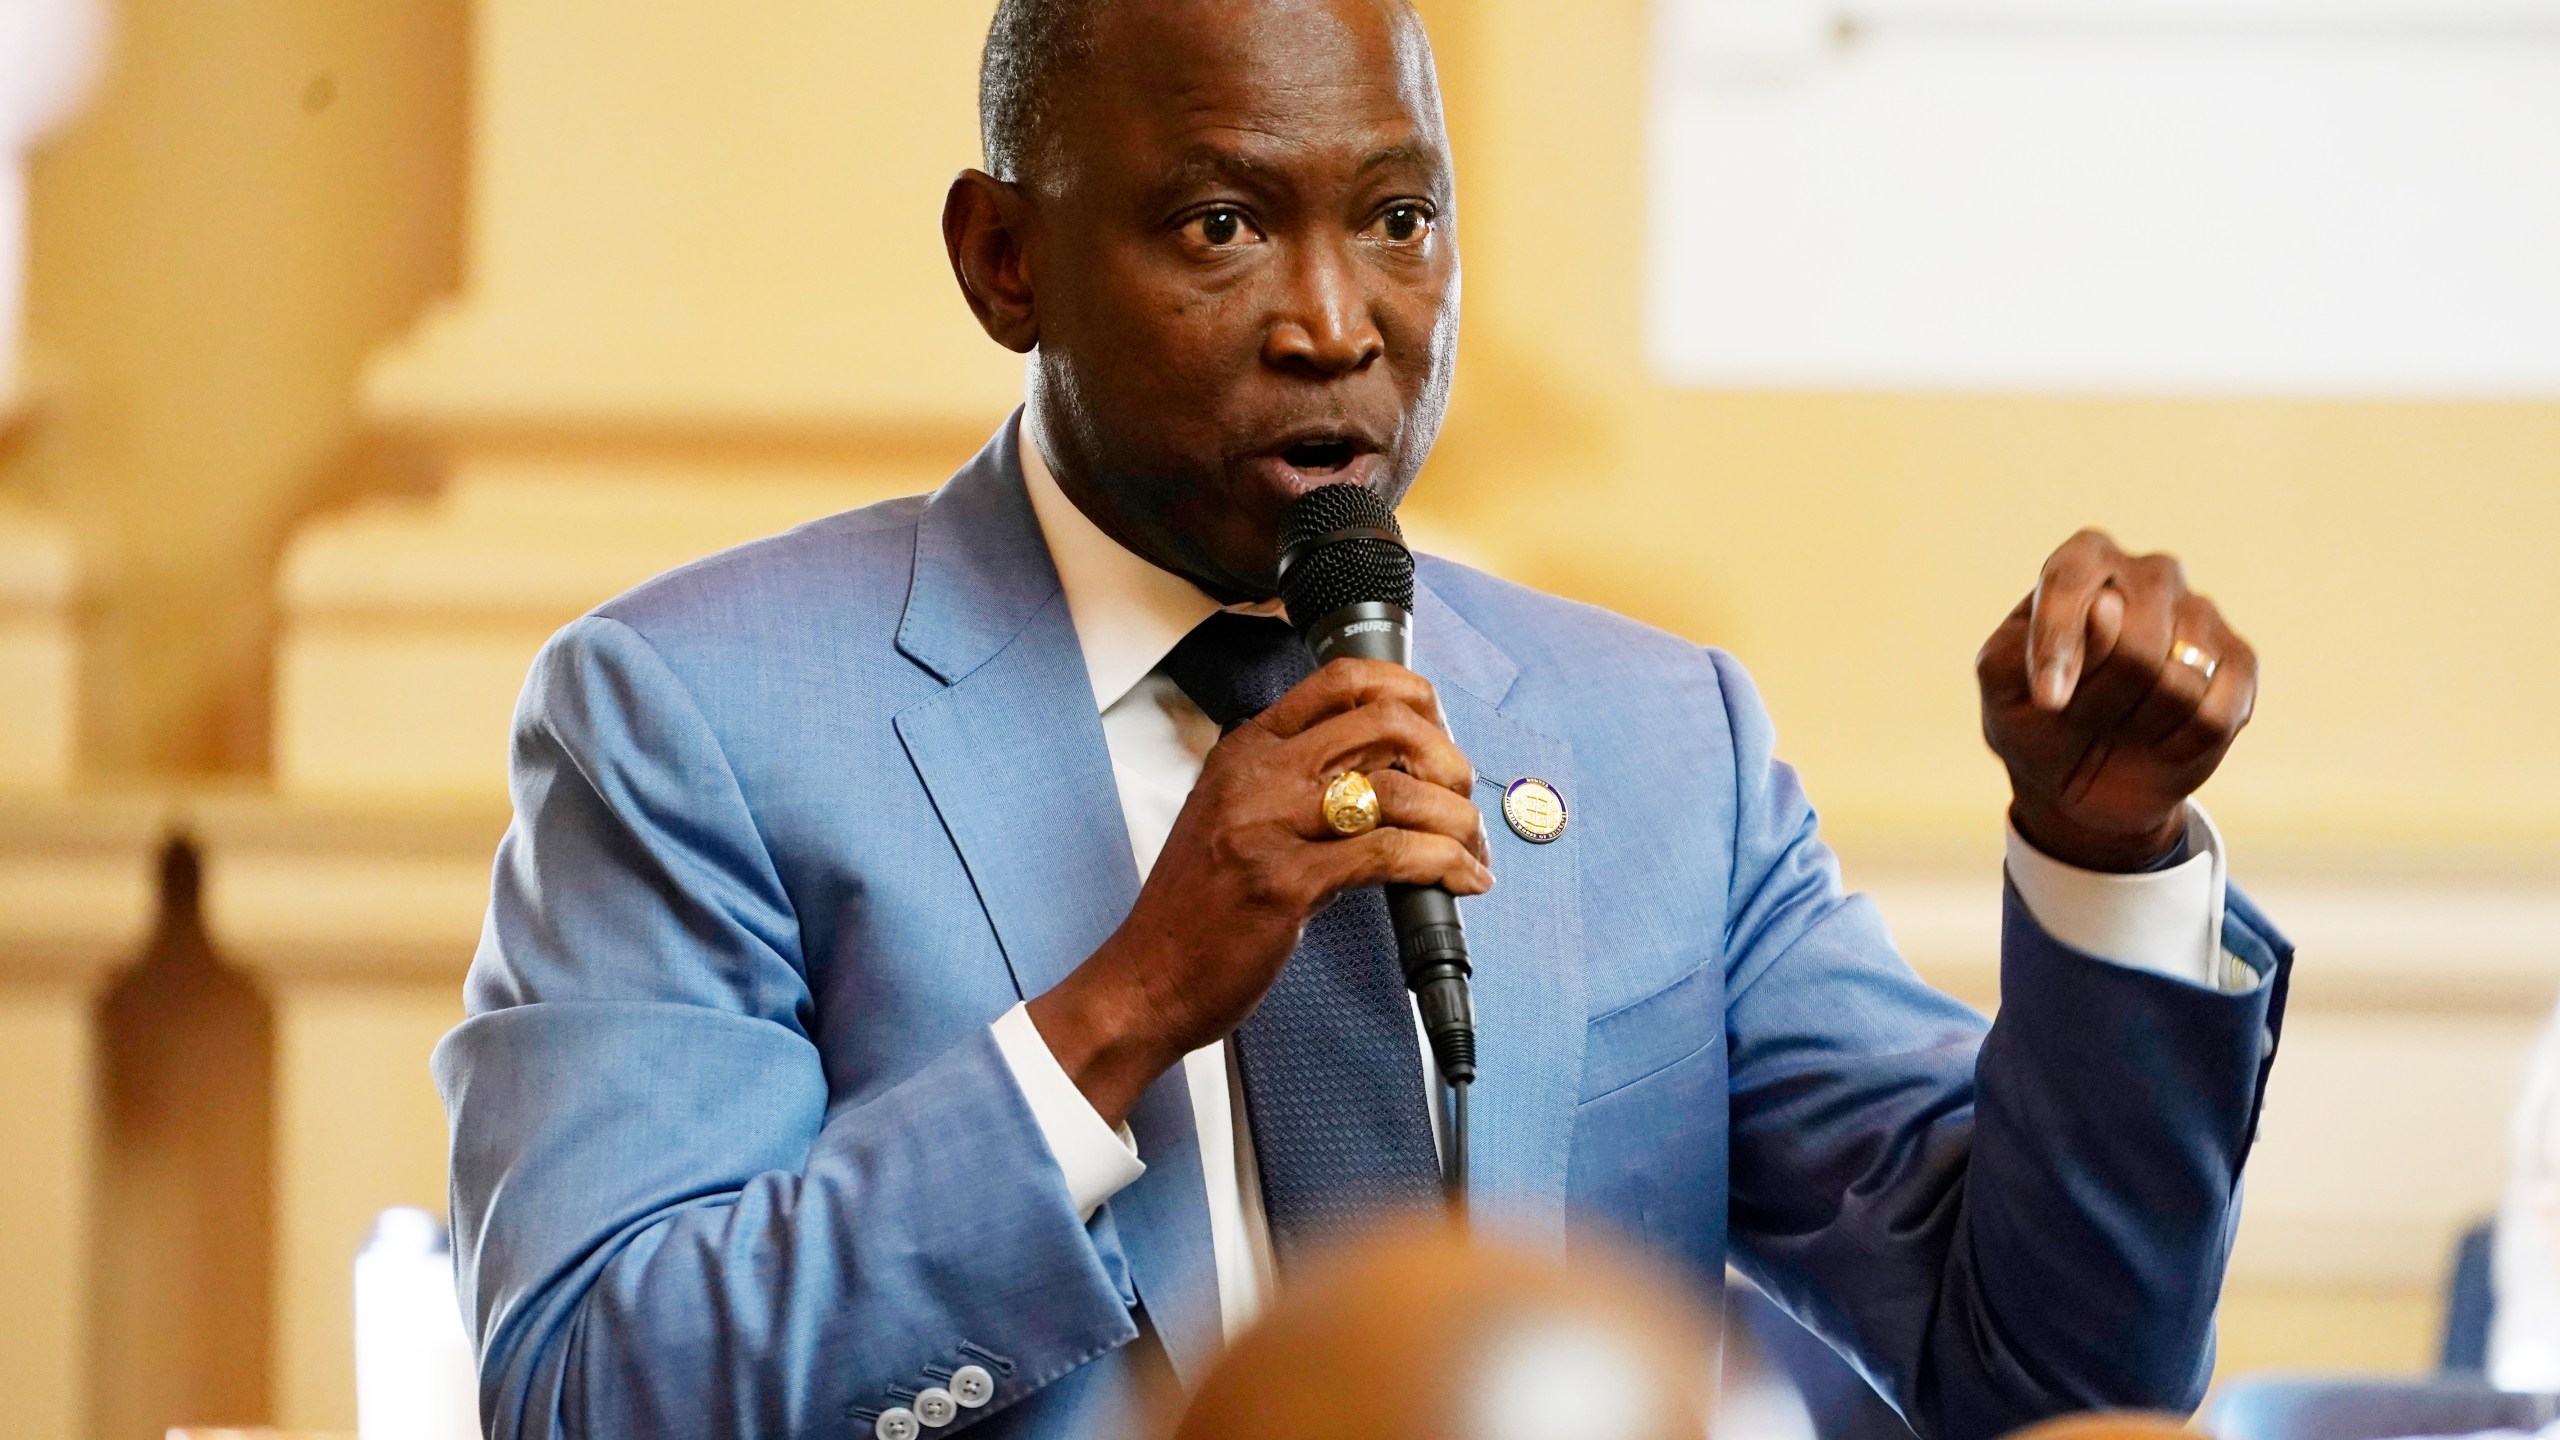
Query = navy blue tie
x=1332 y=1068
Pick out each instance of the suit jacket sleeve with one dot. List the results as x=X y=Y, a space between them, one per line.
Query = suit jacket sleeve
x=664 y=1223
x=1996 y=1227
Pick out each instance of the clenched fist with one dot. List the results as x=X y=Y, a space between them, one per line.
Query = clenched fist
x=2111 y=694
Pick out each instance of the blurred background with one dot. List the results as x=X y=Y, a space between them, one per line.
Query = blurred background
x=348 y=347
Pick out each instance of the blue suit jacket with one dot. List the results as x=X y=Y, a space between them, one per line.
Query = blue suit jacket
x=734 y=1153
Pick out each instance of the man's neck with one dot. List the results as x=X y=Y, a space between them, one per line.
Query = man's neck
x=1128 y=612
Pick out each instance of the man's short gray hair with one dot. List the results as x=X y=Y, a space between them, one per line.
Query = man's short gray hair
x=1032 y=46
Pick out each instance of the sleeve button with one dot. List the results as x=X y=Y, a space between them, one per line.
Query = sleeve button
x=936 y=1407
x=897 y=1423
x=972 y=1386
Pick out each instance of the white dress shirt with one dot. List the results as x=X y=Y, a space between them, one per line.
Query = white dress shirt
x=1129 y=614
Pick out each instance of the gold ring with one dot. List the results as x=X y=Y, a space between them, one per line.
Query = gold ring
x=2196 y=658
x=1350 y=804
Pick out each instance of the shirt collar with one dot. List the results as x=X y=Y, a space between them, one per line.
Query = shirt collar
x=1128 y=613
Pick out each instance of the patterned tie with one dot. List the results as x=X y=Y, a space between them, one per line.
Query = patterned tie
x=1332 y=1071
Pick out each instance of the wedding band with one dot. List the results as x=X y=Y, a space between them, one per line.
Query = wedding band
x=1350 y=804
x=2196 y=658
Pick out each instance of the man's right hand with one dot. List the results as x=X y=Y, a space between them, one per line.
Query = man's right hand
x=1251 y=858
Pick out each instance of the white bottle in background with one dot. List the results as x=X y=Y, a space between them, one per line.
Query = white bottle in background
x=415 y=1379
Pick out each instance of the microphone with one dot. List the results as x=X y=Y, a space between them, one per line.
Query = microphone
x=1347 y=580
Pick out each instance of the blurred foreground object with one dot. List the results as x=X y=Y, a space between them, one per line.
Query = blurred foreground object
x=2109 y=1425
x=1420 y=1333
x=415 y=1378
x=193 y=1433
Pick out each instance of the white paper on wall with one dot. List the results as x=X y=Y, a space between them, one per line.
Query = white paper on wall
x=2277 y=196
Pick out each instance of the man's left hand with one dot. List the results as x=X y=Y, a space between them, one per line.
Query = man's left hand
x=2111 y=693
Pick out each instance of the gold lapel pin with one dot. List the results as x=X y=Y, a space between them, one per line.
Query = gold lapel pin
x=1534 y=810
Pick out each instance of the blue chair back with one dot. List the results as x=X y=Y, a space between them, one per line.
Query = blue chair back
x=2324 y=1409
x=2468 y=1299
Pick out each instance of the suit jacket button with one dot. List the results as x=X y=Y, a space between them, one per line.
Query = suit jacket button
x=935 y=1407
x=972 y=1386
x=897 y=1423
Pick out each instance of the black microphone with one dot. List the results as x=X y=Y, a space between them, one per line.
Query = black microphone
x=1347 y=579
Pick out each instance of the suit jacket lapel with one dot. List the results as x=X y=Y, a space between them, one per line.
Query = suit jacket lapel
x=1013 y=755
x=1525 y=938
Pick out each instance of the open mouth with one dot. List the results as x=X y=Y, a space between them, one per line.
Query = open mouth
x=1319 y=457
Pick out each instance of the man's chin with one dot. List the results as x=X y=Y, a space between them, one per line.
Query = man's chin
x=1235 y=569
x=1233 y=585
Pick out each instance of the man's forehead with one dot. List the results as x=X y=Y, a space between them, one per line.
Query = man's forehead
x=1238 y=82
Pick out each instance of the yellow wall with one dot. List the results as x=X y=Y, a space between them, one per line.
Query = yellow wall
x=255 y=199
x=697 y=293
x=259 y=196
x=45 y=1290
x=2383 y=558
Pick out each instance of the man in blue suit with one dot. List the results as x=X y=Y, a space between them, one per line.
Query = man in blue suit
x=925 y=986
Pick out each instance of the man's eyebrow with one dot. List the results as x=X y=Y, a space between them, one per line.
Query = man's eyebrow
x=1420 y=157
x=1213 y=162
x=1208 y=162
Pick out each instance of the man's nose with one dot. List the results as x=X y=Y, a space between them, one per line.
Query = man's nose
x=1325 y=326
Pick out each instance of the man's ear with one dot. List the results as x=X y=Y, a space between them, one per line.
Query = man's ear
x=983 y=221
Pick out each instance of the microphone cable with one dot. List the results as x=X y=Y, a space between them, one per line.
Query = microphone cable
x=1453 y=1166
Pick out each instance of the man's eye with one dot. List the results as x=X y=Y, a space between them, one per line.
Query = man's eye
x=1404 y=223
x=1221 y=227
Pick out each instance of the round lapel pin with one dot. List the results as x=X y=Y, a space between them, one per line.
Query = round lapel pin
x=1533 y=809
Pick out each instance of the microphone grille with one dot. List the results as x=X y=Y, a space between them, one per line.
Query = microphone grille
x=1323 y=568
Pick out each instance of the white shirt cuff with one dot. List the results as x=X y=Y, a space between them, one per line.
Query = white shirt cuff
x=1096 y=1159
x=2166 y=921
